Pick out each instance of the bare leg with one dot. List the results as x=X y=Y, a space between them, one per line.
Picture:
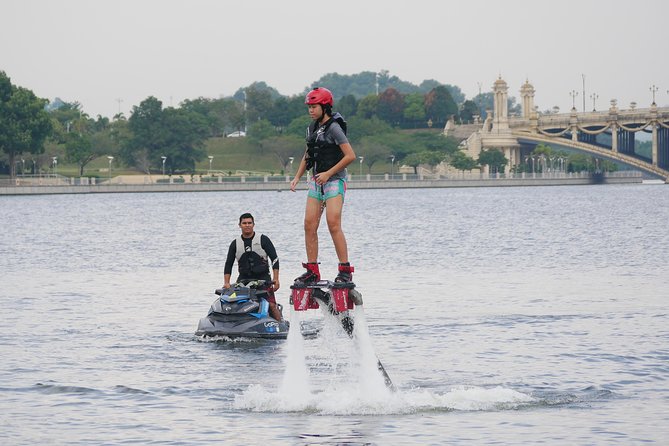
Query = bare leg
x=312 y=218
x=333 y=212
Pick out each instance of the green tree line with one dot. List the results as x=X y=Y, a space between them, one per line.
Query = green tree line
x=389 y=120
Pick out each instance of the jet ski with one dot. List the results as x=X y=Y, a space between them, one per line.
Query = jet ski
x=242 y=311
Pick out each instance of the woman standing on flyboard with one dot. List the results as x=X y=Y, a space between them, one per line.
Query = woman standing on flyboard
x=327 y=155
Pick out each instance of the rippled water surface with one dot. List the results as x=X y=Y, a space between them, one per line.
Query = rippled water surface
x=533 y=315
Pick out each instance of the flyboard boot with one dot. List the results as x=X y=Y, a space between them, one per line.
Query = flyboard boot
x=311 y=275
x=302 y=289
x=339 y=296
x=345 y=274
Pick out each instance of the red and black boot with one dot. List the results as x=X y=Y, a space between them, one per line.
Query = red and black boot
x=311 y=275
x=345 y=273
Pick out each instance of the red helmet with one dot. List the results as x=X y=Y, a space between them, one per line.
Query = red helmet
x=319 y=95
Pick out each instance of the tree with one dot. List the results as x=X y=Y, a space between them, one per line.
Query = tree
x=185 y=134
x=461 y=161
x=433 y=158
x=542 y=149
x=83 y=139
x=298 y=127
x=24 y=124
x=367 y=107
x=484 y=102
x=493 y=158
x=414 y=160
x=178 y=134
x=359 y=128
x=425 y=157
x=284 y=110
x=211 y=110
x=434 y=142
x=258 y=103
x=79 y=150
x=439 y=105
x=390 y=106
x=261 y=130
x=347 y=106
x=285 y=147
x=468 y=111
x=414 y=110
x=373 y=150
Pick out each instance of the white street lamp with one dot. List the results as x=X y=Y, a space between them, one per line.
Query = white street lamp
x=23 y=167
x=653 y=90
x=392 y=162
x=362 y=158
x=574 y=95
x=163 y=158
x=110 y=158
x=211 y=158
x=291 y=159
x=55 y=165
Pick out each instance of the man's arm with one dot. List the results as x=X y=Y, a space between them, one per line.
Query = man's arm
x=268 y=246
x=229 y=261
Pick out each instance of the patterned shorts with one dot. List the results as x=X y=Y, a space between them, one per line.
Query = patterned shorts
x=328 y=190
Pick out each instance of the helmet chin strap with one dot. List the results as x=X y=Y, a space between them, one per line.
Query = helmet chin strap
x=322 y=119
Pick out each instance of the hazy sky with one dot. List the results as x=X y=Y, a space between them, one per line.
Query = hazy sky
x=98 y=51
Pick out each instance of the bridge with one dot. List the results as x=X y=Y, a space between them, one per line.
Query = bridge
x=606 y=134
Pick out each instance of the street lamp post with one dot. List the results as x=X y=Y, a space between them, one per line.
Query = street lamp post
x=110 y=158
x=163 y=158
x=573 y=95
x=211 y=158
x=653 y=90
x=291 y=159
x=55 y=165
x=362 y=158
x=392 y=163
x=594 y=98
x=583 y=76
x=543 y=164
x=23 y=167
x=533 y=158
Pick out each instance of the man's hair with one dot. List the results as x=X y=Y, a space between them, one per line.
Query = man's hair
x=246 y=215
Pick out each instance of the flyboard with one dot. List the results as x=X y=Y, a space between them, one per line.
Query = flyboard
x=339 y=298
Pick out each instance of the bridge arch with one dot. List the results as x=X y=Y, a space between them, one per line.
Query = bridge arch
x=595 y=150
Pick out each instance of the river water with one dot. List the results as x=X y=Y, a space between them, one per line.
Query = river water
x=533 y=315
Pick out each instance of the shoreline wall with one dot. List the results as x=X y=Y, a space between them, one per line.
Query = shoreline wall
x=284 y=186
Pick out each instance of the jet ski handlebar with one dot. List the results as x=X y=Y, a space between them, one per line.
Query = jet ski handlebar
x=257 y=285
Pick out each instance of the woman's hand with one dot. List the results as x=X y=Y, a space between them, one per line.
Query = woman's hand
x=322 y=178
x=294 y=183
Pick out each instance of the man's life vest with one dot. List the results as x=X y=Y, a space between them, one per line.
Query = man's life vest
x=321 y=155
x=253 y=262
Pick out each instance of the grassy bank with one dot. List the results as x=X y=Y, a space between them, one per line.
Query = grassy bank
x=231 y=155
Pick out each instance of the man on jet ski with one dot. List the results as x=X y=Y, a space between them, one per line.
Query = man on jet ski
x=252 y=252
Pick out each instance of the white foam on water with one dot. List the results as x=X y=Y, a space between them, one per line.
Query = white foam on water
x=348 y=401
x=295 y=388
x=355 y=385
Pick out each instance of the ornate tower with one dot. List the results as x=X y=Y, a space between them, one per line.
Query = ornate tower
x=498 y=135
x=527 y=98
